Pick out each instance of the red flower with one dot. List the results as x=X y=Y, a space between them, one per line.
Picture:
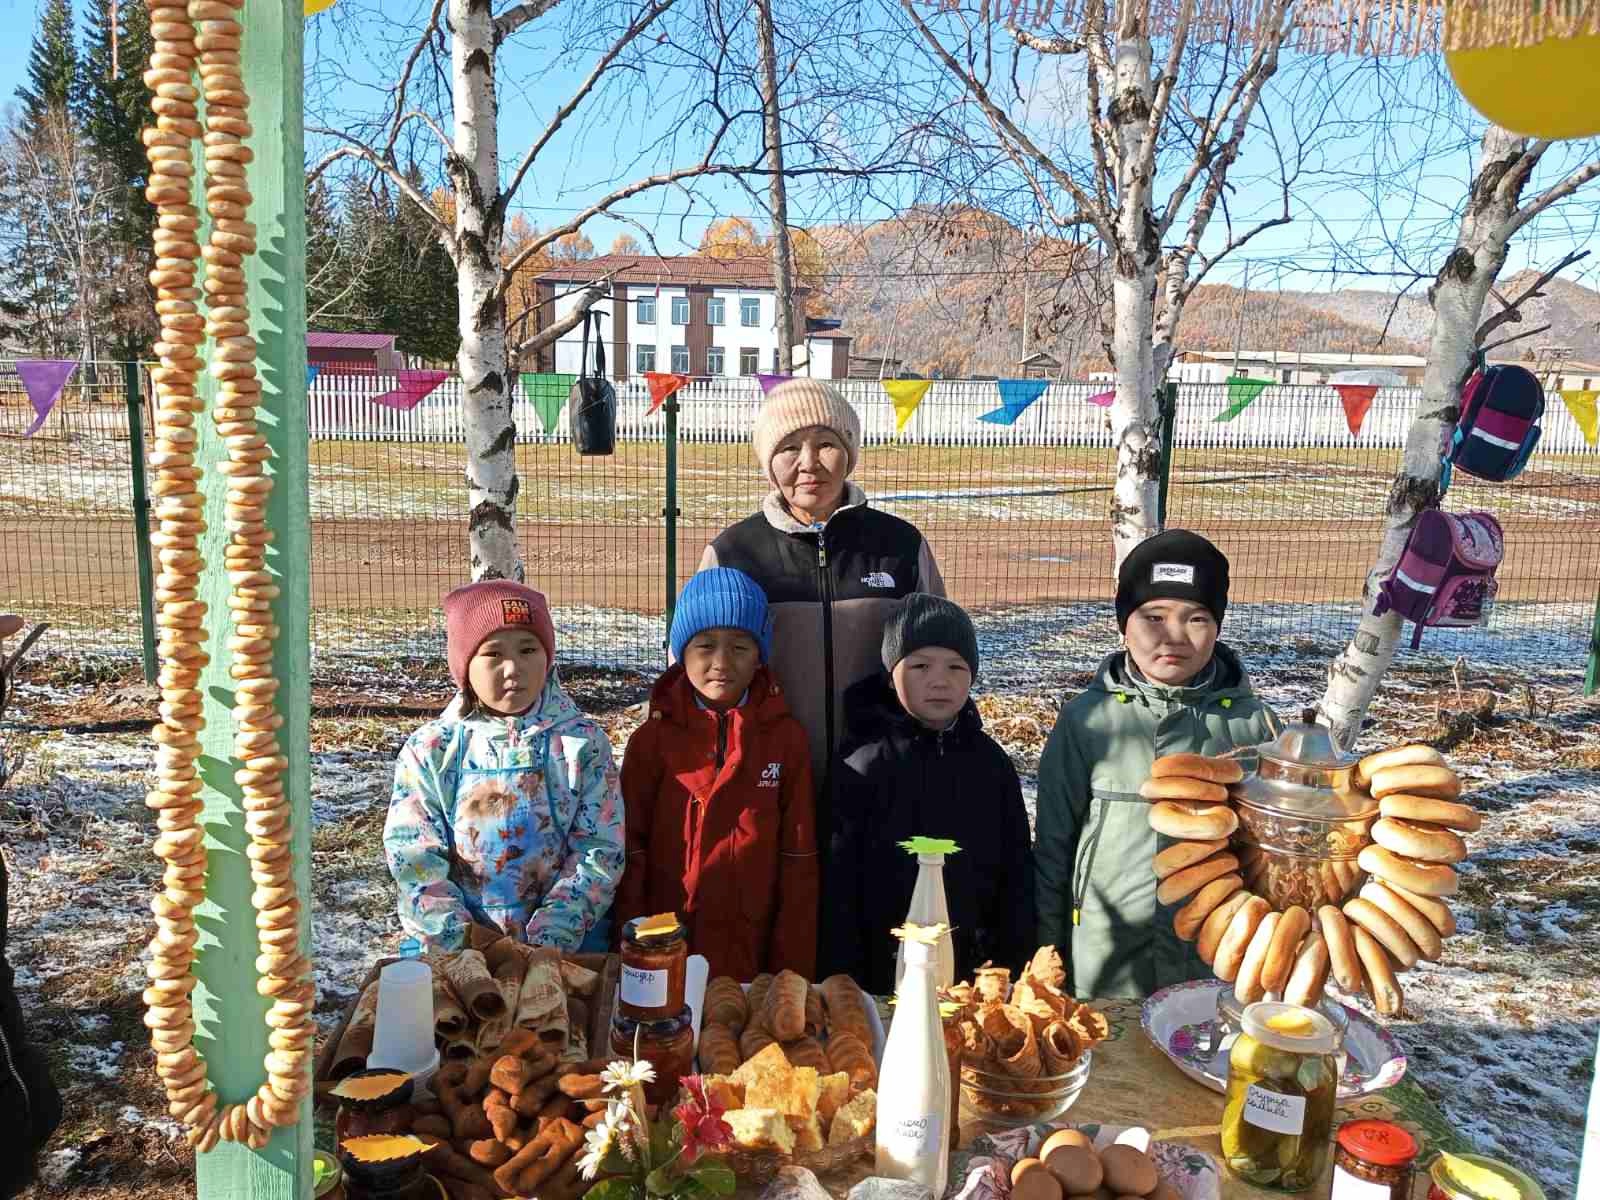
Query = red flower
x=704 y=1129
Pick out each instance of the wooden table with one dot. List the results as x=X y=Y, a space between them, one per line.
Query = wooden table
x=1133 y=1083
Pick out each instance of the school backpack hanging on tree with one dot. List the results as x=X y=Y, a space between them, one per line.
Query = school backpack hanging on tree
x=1445 y=576
x=1498 y=426
x=592 y=403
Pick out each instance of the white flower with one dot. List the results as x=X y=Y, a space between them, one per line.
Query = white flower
x=623 y=1076
x=599 y=1140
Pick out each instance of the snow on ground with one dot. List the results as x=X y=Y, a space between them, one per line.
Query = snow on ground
x=1502 y=1033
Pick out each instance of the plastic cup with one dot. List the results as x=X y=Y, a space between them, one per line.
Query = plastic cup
x=403 y=1037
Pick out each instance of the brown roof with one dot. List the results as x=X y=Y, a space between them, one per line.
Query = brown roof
x=676 y=270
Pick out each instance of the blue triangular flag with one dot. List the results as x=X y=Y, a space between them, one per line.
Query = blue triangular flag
x=1015 y=396
x=312 y=370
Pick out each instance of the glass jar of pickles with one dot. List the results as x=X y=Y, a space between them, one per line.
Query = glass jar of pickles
x=1283 y=1086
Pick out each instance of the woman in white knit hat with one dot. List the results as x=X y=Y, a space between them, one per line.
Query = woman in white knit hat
x=833 y=568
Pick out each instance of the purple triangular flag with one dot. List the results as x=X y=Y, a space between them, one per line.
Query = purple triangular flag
x=414 y=385
x=768 y=382
x=43 y=378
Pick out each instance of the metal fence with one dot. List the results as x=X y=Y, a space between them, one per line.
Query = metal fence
x=1016 y=514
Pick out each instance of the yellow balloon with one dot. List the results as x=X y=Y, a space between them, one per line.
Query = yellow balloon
x=1547 y=90
x=313 y=7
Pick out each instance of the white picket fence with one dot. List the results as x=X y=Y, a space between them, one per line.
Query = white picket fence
x=341 y=407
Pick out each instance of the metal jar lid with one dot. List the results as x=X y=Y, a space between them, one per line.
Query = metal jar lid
x=1301 y=772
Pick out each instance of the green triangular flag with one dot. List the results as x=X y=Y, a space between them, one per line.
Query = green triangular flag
x=547 y=393
x=1240 y=393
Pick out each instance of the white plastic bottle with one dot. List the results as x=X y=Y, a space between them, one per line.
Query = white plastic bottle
x=928 y=906
x=914 y=1110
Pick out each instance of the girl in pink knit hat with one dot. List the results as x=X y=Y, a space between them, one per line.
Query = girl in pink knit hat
x=507 y=814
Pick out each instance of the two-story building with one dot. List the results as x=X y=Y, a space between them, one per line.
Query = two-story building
x=692 y=314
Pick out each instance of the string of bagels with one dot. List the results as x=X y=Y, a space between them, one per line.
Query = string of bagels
x=1398 y=918
x=202 y=38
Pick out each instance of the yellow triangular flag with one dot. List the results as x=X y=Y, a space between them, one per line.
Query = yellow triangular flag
x=906 y=394
x=313 y=7
x=1585 y=411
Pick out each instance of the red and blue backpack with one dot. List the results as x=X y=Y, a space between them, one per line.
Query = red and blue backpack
x=1498 y=426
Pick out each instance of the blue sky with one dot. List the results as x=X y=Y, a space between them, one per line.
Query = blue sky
x=608 y=144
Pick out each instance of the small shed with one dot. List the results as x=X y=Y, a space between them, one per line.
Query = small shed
x=1041 y=364
x=353 y=353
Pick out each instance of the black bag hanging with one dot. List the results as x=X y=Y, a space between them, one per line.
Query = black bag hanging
x=592 y=403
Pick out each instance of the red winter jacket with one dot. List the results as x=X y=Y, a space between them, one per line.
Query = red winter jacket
x=721 y=828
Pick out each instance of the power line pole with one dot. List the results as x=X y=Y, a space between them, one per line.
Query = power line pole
x=782 y=280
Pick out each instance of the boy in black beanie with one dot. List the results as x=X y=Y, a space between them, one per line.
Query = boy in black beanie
x=1172 y=688
x=915 y=762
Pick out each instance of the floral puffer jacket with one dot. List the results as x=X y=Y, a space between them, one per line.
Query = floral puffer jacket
x=512 y=822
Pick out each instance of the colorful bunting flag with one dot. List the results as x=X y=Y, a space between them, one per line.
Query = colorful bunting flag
x=768 y=382
x=547 y=393
x=1357 y=399
x=312 y=371
x=1585 y=409
x=1241 y=392
x=43 y=378
x=413 y=386
x=905 y=394
x=1015 y=396
x=662 y=385
x=1103 y=399
x=313 y=7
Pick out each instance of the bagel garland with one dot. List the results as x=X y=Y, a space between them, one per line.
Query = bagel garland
x=1361 y=942
x=202 y=38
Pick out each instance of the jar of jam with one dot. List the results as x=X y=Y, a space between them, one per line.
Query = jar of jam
x=667 y=1045
x=655 y=958
x=1283 y=1086
x=1372 y=1160
x=373 y=1101
x=1475 y=1177
x=386 y=1167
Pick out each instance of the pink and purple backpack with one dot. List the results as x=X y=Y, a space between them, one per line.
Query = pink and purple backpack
x=1445 y=576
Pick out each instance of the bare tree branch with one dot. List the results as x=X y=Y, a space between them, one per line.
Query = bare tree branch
x=422 y=43
x=514 y=19
x=357 y=149
x=1511 y=310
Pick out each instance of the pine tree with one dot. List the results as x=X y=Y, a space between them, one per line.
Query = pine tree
x=52 y=65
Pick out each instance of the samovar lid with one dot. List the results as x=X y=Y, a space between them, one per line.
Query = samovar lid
x=1303 y=773
x=1307 y=744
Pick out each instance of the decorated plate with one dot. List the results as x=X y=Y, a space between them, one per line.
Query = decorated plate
x=982 y=1171
x=1182 y=1021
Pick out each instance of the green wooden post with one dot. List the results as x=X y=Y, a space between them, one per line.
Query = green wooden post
x=670 y=512
x=1168 y=405
x=1591 y=677
x=228 y=1011
x=141 y=518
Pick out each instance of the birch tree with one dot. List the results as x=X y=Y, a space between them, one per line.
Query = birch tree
x=1149 y=175
x=1499 y=204
x=463 y=122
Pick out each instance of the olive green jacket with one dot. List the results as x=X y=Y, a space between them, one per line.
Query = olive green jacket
x=1095 y=888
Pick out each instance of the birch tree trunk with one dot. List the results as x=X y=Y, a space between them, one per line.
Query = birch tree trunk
x=1136 y=258
x=1457 y=298
x=474 y=169
x=782 y=263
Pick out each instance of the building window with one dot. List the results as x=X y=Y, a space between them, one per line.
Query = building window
x=644 y=310
x=1287 y=373
x=644 y=359
x=750 y=312
x=680 y=310
x=716 y=311
x=749 y=360
x=714 y=358
x=680 y=359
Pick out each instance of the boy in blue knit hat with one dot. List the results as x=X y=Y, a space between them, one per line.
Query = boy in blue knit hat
x=716 y=787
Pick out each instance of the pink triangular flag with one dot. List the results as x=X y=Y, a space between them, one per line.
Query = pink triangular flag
x=43 y=378
x=414 y=385
x=1103 y=399
x=1356 y=398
